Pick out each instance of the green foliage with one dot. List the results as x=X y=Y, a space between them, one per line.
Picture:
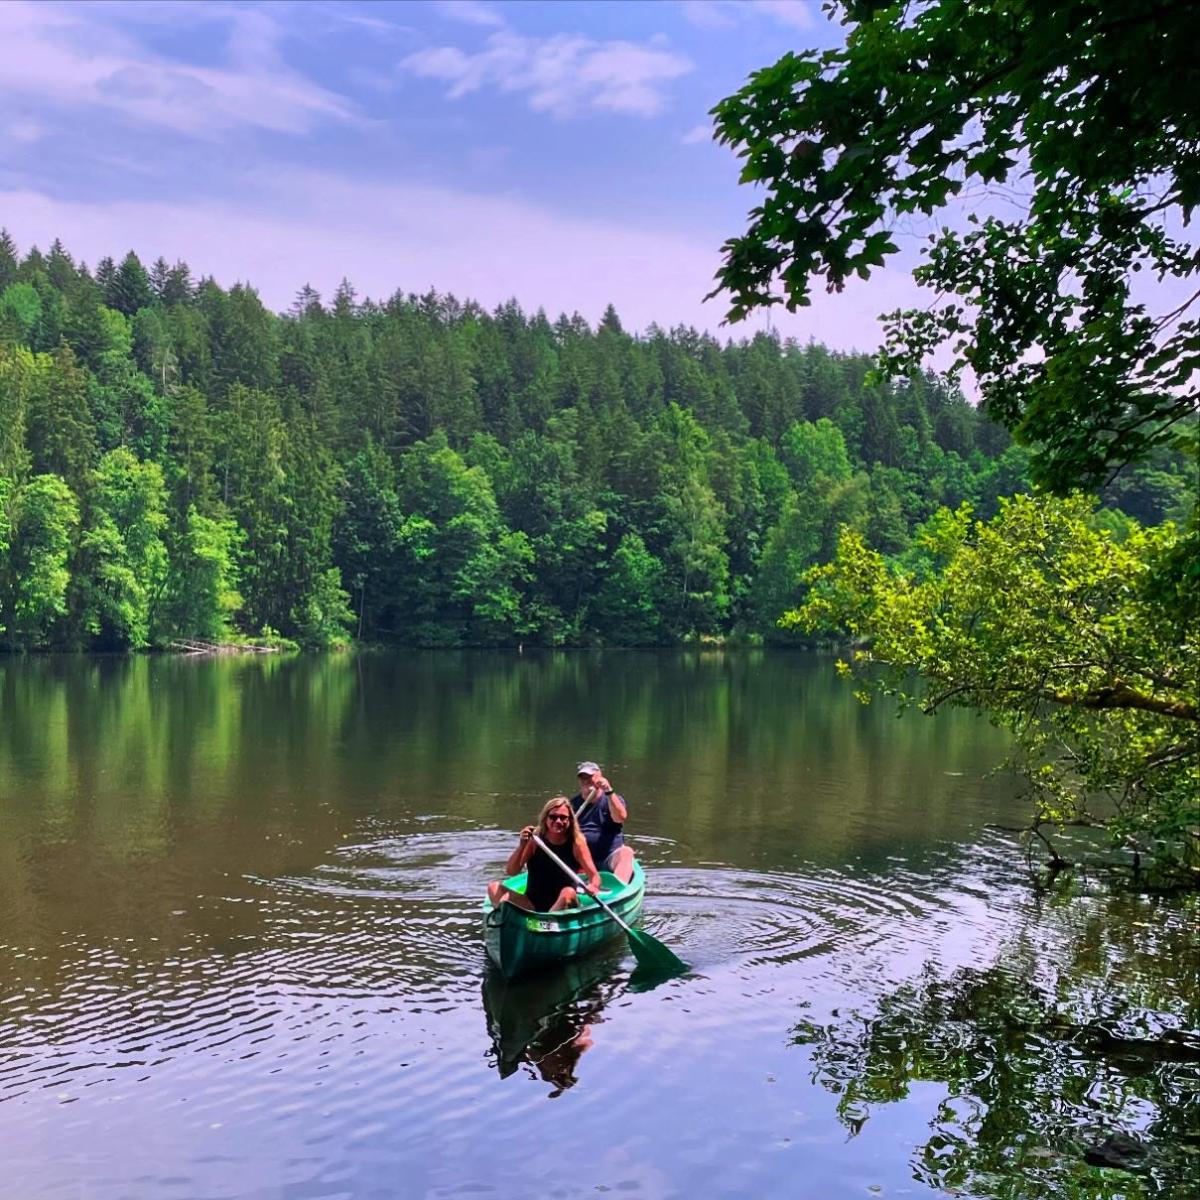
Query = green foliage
x=323 y=615
x=201 y=595
x=22 y=302
x=129 y=288
x=366 y=538
x=121 y=569
x=6 y=492
x=1074 y=630
x=472 y=478
x=43 y=516
x=20 y=373
x=632 y=597
x=461 y=565
x=1015 y=105
x=1060 y=632
x=814 y=451
x=61 y=434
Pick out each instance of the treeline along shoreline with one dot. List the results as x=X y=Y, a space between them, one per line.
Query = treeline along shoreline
x=179 y=463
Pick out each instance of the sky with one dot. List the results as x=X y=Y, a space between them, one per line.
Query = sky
x=559 y=153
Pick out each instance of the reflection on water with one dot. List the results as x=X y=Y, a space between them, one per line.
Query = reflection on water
x=545 y=1021
x=241 y=955
x=1067 y=1068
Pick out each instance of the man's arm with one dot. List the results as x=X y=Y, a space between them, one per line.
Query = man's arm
x=616 y=804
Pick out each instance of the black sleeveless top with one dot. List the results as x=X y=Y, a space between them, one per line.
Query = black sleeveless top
x=546 y=879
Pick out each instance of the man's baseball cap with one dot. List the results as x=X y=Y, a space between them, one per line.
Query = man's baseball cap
x=588 y=768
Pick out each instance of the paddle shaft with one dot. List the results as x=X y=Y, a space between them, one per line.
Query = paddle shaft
x=575 y=879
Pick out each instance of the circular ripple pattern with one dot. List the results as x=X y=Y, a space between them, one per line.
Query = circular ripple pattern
x=241 y=950
x=387 y=926
x=344 y=1017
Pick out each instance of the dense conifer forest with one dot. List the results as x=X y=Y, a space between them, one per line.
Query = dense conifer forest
x=178 y=462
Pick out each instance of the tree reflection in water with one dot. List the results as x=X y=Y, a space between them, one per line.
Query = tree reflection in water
x=544 y=1022
x=1071 y=1065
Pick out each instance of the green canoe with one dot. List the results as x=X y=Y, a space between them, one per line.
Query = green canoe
x=519 y=941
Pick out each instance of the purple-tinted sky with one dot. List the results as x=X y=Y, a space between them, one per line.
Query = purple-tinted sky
x=556 y=152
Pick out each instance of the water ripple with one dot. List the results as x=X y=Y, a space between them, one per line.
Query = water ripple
x=346 y=998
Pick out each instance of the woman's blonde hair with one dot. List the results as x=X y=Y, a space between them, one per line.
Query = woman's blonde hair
x=549 y=807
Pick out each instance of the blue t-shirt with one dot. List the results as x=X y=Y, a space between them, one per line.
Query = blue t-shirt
x=602 y=832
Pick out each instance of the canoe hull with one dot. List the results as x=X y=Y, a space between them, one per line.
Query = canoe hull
x=519 y=941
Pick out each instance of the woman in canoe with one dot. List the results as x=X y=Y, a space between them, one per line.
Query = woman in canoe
x=548 y=889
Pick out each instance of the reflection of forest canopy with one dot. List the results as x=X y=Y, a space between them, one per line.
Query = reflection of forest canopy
x=175 y=460
x=1075 y=1078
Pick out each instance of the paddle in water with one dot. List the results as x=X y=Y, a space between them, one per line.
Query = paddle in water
x=650 y=953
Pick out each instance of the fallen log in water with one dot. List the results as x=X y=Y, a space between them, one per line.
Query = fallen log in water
x=190 y=646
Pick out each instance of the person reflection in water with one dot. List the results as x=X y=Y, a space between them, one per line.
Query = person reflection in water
x=548 y=889
x=556 y=1063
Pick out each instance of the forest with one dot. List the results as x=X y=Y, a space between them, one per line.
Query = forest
x=178 y=462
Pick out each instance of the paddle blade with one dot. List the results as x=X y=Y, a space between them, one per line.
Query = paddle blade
x=652 y=955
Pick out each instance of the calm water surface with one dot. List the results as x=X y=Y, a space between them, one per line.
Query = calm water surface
x=241 y=952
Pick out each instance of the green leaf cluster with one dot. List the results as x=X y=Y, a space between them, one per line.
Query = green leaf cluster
x=1062 y=633
x=1050 y=149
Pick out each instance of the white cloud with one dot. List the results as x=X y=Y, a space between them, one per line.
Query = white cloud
x=725 y=14
x=795 y=13
x=697 y=134
x=709 y=14
x=563 y=74
x=61 y=57
x=484 y=247
x=470 y=12
x=373 y=25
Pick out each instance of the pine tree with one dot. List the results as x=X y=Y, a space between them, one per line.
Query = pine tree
x=106 y=272
x=178 y=287
x=33 y=264
x=130 y=287
x=8 y=260
x=610 y=322
x=61 y=432
x=159 y=274
x=307 y=302
x=345 y=300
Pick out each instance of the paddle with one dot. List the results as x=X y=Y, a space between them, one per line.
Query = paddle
x=650 y=953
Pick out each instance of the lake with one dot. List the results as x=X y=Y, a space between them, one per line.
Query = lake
x=241 y=948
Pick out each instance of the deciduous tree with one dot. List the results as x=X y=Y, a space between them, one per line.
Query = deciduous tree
x=1062 y=634
x=1072 y=130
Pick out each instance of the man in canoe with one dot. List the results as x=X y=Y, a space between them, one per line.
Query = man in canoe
x=548 y=889
x=601 y=814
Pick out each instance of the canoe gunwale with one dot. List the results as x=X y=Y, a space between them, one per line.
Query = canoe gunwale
x=614 y=897
x=520 y=939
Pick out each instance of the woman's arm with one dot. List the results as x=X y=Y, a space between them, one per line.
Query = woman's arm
x=520 y=856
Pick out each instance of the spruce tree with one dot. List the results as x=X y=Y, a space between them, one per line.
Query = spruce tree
x=8 y=259
x=130 y=288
